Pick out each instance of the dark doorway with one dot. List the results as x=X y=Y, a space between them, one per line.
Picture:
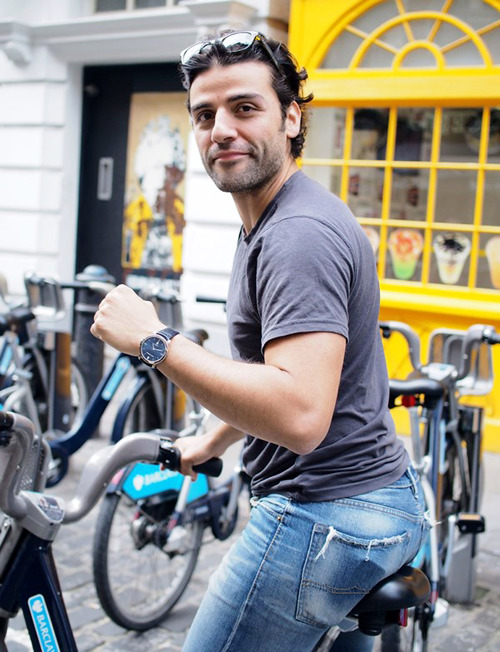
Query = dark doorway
x=107 y=92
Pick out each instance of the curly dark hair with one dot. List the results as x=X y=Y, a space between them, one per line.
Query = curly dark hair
x=287 y=78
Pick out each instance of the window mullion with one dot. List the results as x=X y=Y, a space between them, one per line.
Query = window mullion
x=349 y=126
x=478 y=205
x=387 y=192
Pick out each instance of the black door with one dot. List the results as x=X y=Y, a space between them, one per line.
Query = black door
x=107 y=94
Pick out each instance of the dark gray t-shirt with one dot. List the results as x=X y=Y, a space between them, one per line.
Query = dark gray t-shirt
x=308 y=267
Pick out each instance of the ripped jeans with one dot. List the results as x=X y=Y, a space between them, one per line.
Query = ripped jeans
x=299 y=568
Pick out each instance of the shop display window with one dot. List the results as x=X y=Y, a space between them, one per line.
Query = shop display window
x=422 y=186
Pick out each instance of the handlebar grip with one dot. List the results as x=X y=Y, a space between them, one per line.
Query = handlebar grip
x=493 y=338
x=212 y=467
x=171 y=457
x=474 y=335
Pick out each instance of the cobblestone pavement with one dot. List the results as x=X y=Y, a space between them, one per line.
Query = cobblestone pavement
x=470 y=628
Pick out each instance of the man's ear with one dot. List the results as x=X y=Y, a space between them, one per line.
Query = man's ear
x=293 y=120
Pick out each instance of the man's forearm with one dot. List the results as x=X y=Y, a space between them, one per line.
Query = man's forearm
x=260 y=399
x=288 y=401
x=233 y=391
x=222 y=437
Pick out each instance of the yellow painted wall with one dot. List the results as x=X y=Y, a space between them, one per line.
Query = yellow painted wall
x=315 y=25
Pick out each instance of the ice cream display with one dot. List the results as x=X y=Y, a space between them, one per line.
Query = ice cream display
x=452 y=250
x=373 y=237
x=493 y=255
x=405 y=247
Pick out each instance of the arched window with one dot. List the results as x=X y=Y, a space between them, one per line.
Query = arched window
x=406 y=129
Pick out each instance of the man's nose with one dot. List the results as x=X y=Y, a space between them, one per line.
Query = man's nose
x=224 y=127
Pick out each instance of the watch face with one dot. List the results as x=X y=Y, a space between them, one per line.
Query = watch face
x=153 y=349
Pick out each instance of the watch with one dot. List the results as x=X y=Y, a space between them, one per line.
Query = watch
x=154 y=348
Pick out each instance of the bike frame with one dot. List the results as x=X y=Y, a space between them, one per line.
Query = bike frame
x=31 y=521
x=34 y=584
x=199 y=499
x=20 y=346
x=15 y=381
x=429 y=469
x=73 y=440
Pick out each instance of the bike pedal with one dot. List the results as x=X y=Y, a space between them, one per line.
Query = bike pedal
x=471 y=523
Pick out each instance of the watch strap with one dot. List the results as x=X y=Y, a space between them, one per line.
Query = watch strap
x=169 y=333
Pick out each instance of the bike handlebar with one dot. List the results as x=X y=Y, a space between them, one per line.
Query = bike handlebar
x=17 y=320
x=474 y=335
x=206 y=299
x=171 y=457
x=390 y=327
x=17 y=436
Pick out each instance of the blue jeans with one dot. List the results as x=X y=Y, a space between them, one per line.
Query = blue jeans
x=299 y=568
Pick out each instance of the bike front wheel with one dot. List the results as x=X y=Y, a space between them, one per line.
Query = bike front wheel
x=137 y=577
x=77 y=400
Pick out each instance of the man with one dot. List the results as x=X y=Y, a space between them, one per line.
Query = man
x=335 y=506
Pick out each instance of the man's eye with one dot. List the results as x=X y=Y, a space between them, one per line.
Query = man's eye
x=204 y=116
x=246 y=108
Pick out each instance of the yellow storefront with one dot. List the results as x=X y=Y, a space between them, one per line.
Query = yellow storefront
x=405 y=127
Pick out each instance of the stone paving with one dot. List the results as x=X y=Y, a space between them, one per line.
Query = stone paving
x=470 y=628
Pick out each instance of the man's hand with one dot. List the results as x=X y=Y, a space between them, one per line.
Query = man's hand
x=194 y=450
x=199 y=449
x=123 y=319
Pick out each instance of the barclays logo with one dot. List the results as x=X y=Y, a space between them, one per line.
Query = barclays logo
x=43 y=624
x=142 y=480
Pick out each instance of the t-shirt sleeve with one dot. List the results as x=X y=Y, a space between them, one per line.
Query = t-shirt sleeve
x=304 y=273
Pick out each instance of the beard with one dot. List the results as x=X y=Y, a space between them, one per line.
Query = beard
x=245 y=177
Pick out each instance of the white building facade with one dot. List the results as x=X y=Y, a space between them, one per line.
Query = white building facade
x=46 y=47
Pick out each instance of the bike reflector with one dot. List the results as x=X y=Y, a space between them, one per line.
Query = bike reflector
x=409 y=401
x=145 y=480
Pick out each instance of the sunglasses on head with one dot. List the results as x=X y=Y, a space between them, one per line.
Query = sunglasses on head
x=234 y=42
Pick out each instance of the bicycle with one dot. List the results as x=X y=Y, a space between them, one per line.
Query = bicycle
x=446 y=444
x=31 y=521
x=149 y=533
x=38 y=375
x=151 y=402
